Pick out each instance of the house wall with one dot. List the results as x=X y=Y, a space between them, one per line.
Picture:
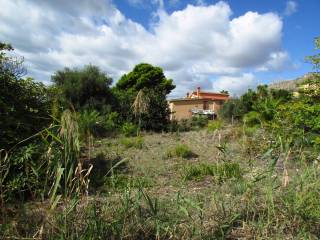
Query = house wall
x=181 y=109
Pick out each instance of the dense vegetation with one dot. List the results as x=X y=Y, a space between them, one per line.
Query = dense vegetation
x=81 y=159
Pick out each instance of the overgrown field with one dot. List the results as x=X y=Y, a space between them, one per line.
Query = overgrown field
x=230 y=183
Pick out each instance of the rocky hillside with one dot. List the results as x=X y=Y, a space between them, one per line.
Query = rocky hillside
x=291 y=85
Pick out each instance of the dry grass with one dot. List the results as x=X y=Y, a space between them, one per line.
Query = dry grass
x=233 y=190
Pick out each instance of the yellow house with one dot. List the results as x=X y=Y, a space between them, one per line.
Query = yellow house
x=197 y=103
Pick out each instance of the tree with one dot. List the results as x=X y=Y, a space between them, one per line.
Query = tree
x=315 y=59
x=311 y=86
x=24 y=106
x=224 y=92
x=155 y=85
x=84 y=88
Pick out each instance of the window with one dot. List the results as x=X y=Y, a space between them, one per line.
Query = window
x=205 y=105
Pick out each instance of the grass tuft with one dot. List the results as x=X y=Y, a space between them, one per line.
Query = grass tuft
x=220 y=172
x=182 y=151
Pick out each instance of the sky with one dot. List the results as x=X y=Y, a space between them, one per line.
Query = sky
x=216 y=45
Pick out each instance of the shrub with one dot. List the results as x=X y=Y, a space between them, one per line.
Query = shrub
x=182 y=151
x=184 y=125
x=173 y=126
x=220 y=172
x=88 y=123
x=252 y=118
x=129 y=129
x=136 y=142
x=110 y=122
x=214 y=125
x=199 y=121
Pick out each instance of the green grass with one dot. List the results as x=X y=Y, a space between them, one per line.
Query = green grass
x=220 y=172
x=122 y=181
x=182 y=151
x=133 y=142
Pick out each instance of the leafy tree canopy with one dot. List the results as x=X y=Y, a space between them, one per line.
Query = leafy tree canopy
x=145 y=76
x=155 y=85
x=315 y=59
x=84 y=88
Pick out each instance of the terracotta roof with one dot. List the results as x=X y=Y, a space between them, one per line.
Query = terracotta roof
x=213 y=96
x=193 y=99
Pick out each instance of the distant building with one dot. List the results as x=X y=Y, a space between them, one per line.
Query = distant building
x=197 y=103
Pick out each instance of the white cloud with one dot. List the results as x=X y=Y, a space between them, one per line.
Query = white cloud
x=291 y=7
x=192 y=45
x=278 y=61
x=235 y=84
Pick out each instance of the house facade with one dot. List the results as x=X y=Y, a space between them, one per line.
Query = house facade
x=197 y=103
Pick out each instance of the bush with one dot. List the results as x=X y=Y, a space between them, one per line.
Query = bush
x=129 y=129
x=199 y=121
x=24 y=171
x=214 y=125
x=252 y=119
x=182 y=151
x=110 y=122
x=173 y=126
x=88 y=123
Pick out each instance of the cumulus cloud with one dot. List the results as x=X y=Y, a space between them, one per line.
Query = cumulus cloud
x=192 y=45
x=235 y=84
x=291 y=8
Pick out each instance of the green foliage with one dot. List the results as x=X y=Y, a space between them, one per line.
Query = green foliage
x=110 y=122
x=298 y=120
x=88 y=122
x=231 y=109
x=199 y=121
x=220 y=172
x=181 y=150
x=310 y=88
x=136 y=142
x=252 y=118
x=315 y=59
x=214 y=125
x=264 y=101
x=154 y=84
x=83 y=88
x=25 y=169
x=145 y=76
x=123 y=181
x=184 y=125
x=129 y=129
x=24 y=106
x=301 y=198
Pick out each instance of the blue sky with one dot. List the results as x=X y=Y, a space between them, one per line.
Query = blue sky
x=217 y=45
